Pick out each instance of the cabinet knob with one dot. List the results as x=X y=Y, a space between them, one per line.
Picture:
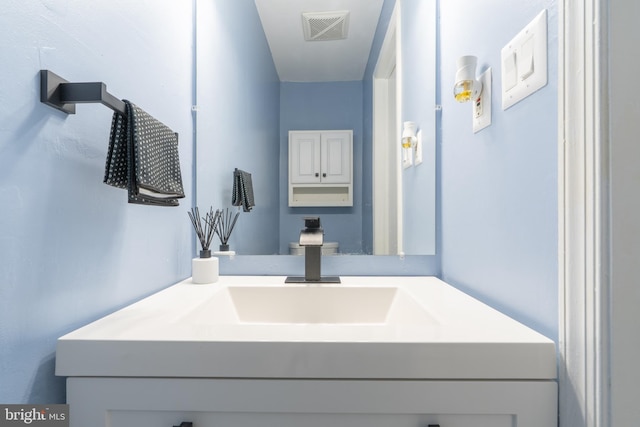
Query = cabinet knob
x=324 y=175
x=317 y=174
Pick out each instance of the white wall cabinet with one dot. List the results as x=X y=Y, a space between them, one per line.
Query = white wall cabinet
x=321 y=168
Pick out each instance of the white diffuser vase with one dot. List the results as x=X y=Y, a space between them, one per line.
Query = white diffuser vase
x=204 y=269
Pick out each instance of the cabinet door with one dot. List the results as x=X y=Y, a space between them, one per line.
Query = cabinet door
x=167 y=402
x=336 y=157
x=257 y=419
x=304 y=157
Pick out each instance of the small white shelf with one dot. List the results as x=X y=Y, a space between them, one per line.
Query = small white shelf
x=320 y=195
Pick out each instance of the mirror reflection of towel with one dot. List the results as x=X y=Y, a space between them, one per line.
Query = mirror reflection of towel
x=143 y=158
x=242 y=190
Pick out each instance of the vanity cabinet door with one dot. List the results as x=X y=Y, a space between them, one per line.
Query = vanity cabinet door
x=467 y=421
x=217 y=419
x=160 y=402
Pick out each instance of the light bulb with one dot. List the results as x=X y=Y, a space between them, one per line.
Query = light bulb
x=466 y=86
x=462 y=90
x=408 y=135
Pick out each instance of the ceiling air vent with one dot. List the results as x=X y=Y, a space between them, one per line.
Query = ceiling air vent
x=325 y=25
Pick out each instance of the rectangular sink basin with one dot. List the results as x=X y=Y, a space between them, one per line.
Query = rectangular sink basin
x=287 y=304
x=329 y=312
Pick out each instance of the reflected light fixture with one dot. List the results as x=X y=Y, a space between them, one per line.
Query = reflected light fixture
x=467 y=87
x=408 y=142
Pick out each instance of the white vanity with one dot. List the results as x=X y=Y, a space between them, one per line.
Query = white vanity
x=250 y=350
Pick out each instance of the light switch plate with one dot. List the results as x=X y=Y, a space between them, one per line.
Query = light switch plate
x=524 y=62
x=482 y=112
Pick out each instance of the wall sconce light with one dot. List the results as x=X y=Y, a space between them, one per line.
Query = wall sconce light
x=466 y=86
x=469 y=88
x=409 y=142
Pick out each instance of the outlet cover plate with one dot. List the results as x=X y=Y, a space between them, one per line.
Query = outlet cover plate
x=481 y=110
x=418 y=149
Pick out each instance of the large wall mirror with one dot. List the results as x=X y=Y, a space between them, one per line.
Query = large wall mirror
x=257 y=79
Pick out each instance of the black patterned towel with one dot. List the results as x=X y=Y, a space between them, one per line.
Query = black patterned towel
x=242 y=190
x=143 y=158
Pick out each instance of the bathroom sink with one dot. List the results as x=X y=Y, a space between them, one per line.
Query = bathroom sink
x=260 y=327
x=312 y=304
x=283 y=309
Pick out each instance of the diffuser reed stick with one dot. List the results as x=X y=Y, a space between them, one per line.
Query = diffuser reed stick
x=225 y=225
x=205 y=231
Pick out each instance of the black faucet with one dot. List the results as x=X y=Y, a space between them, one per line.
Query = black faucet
x=312 y=238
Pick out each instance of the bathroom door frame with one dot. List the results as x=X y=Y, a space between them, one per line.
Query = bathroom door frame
x=387 y=177
x=599 y=207
x=582 y=217
x=598 y=203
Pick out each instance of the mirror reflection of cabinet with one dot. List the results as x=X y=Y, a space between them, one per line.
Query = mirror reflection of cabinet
x=321 y=168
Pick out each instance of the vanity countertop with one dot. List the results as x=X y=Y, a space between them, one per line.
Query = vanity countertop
x=429 y=330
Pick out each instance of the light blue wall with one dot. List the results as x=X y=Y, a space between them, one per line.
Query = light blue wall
x=312 y=106
x=418 y=39
x=499 y=186
x=71 y=248
x=238 y=119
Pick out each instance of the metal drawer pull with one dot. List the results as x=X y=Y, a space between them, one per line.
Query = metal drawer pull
x=185 y=424
x=433 y=425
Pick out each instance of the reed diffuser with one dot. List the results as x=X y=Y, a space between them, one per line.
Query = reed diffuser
x=205 y=268
x=226 y=222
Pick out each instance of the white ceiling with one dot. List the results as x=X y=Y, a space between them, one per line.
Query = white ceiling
x=298 y=60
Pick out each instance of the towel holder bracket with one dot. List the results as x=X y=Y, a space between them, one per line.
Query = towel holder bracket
x=59 y=93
